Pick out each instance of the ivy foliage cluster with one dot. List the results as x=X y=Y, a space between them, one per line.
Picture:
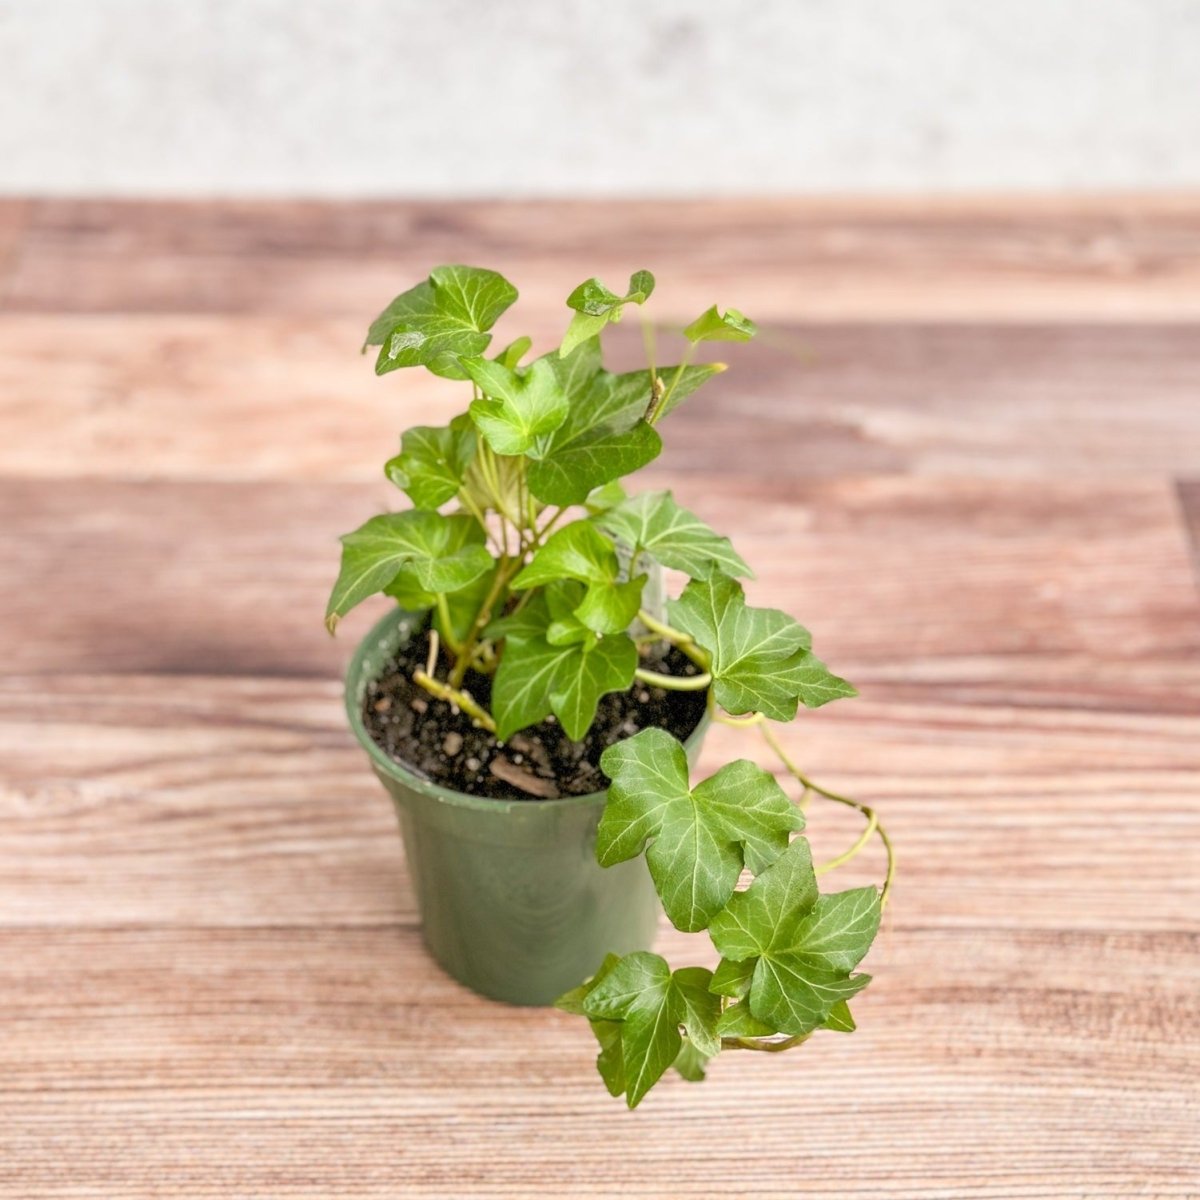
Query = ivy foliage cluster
x=533 y=563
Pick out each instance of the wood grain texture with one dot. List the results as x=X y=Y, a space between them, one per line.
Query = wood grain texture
x=1189 y=500
x=150 y=800
x=14 y=222
x=339 y=1062
x=156 y=397
x=212 y=982
x=1114 y=259
x=233 y=578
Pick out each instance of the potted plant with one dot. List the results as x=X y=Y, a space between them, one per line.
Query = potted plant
x=534 y=706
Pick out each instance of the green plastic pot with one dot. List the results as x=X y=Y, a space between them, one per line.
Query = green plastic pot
x=513 y=903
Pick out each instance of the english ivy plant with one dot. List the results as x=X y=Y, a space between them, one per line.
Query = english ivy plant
x=533 y=563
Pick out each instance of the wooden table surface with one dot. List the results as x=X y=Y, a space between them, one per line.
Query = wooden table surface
x=966 y=452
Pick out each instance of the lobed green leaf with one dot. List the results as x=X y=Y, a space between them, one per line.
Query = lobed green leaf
x=700 y=838
x=649 y=1004
x=442 y=553
x=609 y=1062
x=738 y=1021
x=512 y=354
x=711 y=326
x=441 y=321
x=566 y=676
x=677 y=538
x=576 y=551
x=691 y=1062
x=579 y=551
x=802 y=946
x=761 y=661
x=596 y=306
x=433 y=462
x=605 y=434
x=518 y=407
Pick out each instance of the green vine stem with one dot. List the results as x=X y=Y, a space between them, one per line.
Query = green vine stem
x=505 y=573
x=874 y=826
x=764 y=1044
x=456 y=696
x=757 y=720
x=677 y=638
x=674 y=683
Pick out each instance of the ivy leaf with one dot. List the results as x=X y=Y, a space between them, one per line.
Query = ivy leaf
x=733 y=978
x=711 y=326
x=607 y=496
x=702 y=837
x=562 y=600
x=441 y=321
x=433 y=462
x=594 y=669
x=674 y=536
x=374 y=554
x=738 y=1021
x=605 y=435
x=512 y=354
x=462 y=604
x=529 y=621
x=536 y=677
x=593 y=298
x=839 y=1019
x=596 y=306
x=611 y=608
x=528 y=670
x=568 y=476
x=650 y=1004
x=761 y=659
x=580 y=551
x=803 y=945
x=517 y=408
x=690 y=1062
x=576 y=551
x=609 y=1061
x=701 y=1009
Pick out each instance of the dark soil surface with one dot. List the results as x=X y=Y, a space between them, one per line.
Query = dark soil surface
x=541 y=762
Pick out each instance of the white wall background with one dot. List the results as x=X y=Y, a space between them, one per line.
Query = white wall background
x=478 y=97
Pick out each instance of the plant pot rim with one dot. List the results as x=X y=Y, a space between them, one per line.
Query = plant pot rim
x=356 y=681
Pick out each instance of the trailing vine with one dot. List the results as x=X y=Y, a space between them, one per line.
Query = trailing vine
x=533 y=564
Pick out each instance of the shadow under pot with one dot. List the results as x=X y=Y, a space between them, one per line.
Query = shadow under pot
x=512 y=900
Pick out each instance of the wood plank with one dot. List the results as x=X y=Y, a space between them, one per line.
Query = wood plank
x=339 y=1062
x=14 y=218
x=151 y=801
x=1131 y=258
x=1189 y=500
x=953 y=453
x=159 y=397
x=232 y=578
